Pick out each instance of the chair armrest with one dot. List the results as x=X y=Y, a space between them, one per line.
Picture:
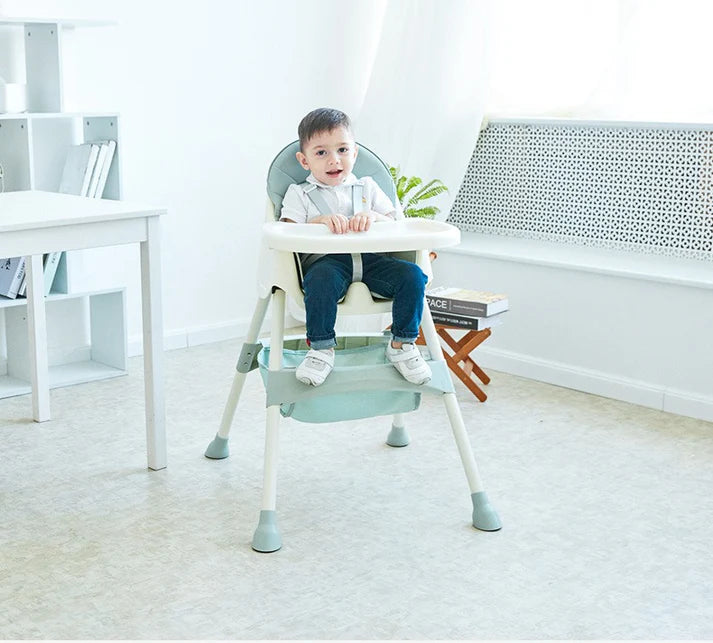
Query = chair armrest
x=406 y=234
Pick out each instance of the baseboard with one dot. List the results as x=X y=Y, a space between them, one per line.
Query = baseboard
x=598 y=383
x=689 y=404
x=608 y=385
x=194 y=336
x=217 y=332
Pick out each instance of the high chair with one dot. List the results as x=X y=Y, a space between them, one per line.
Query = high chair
x=363 y=383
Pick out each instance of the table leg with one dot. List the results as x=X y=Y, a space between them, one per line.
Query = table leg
x=37 y=334
x=153 y=346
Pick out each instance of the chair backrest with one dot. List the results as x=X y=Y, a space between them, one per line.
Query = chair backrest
x=286 y=170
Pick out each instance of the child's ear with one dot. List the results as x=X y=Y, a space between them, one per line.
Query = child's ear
x=302 y=160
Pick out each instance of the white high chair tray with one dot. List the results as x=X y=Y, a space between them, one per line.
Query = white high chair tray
x=406 y=234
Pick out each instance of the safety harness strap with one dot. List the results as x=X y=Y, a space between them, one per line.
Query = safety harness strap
x=317 y=198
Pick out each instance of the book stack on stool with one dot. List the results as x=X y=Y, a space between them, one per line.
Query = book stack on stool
x=473 y=311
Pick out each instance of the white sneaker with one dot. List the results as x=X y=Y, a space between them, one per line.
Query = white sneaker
x=409 y=362
x=315 y=367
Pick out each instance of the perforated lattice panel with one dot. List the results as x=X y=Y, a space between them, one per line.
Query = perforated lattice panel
x=643 y=188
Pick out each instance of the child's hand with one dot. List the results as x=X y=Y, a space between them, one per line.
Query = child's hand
x=337 y=223
x=362 y=221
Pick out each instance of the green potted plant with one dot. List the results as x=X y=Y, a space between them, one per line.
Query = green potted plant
x=413 y=202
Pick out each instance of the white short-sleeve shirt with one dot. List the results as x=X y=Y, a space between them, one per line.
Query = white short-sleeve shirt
x=298 y=207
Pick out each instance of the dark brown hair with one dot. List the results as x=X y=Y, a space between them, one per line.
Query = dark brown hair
x=323 y=119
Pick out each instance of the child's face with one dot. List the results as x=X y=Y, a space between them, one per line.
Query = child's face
x=329 y=156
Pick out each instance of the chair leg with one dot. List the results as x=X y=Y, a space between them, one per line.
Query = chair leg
x=218 y=448
x=484 y=515
x=398 y=436
x=267 y=536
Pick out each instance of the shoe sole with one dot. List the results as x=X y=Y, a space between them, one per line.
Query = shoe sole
x=418 y=383
x=308 y=381
x=421 y=383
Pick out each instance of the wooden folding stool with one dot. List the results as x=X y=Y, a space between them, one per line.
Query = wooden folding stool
x=461 y=355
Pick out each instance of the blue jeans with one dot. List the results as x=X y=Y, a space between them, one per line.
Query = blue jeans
x=326 y=282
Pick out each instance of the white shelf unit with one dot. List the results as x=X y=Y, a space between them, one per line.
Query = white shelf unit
x=99 y=317
x=87 y=330
x=33 y=148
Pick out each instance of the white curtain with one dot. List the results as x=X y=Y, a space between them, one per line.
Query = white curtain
x=424 y=103
x=665 y=59
x=441 y=66
x=632 y=60
x=425 y=100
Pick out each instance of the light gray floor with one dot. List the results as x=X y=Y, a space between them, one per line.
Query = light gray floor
x=607 y=512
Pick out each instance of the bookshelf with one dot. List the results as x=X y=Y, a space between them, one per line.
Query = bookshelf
x=101 y=317
x=86 y=327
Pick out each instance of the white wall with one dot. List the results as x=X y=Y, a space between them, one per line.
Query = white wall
x=596 y=321
x=208 y=93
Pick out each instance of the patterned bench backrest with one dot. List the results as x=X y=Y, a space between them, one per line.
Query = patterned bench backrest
x=640 y=187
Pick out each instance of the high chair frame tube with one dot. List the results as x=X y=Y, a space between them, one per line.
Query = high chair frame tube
x=452 y=407
x=484 y=515
x=398 y=436
x=279 y=279
x=269 y=496
x=267 y=537
x=218 y=448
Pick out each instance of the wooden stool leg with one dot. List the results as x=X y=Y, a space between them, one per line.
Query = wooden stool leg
x=481 y=374
x=461 y=353
x=421 y=339
x=465 y=378
x=467 y=344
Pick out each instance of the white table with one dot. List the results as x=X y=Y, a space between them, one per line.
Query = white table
x=33 y=223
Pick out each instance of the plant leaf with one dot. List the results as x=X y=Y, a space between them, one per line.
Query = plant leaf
x=435 y=183
x=428 y=194
x=405 y=186
x=411 y=183
x=425 y=213
x=400 y=187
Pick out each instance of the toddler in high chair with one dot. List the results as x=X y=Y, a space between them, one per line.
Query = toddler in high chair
x=328 y=151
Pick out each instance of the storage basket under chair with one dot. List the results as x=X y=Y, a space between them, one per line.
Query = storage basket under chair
x=347 y=395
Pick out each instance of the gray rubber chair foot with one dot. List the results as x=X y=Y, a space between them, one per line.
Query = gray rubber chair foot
x=485 y=517
x=267 y=538
x=218 y=448
x=398 y=437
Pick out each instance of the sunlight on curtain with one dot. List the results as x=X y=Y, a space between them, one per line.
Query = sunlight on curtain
x=545 y=57
x=665 y=62
x=610 y=59
x=424 y=103
x=440 y=66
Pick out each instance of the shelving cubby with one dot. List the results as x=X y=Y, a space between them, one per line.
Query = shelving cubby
x=86 y=338
x=87 y=335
